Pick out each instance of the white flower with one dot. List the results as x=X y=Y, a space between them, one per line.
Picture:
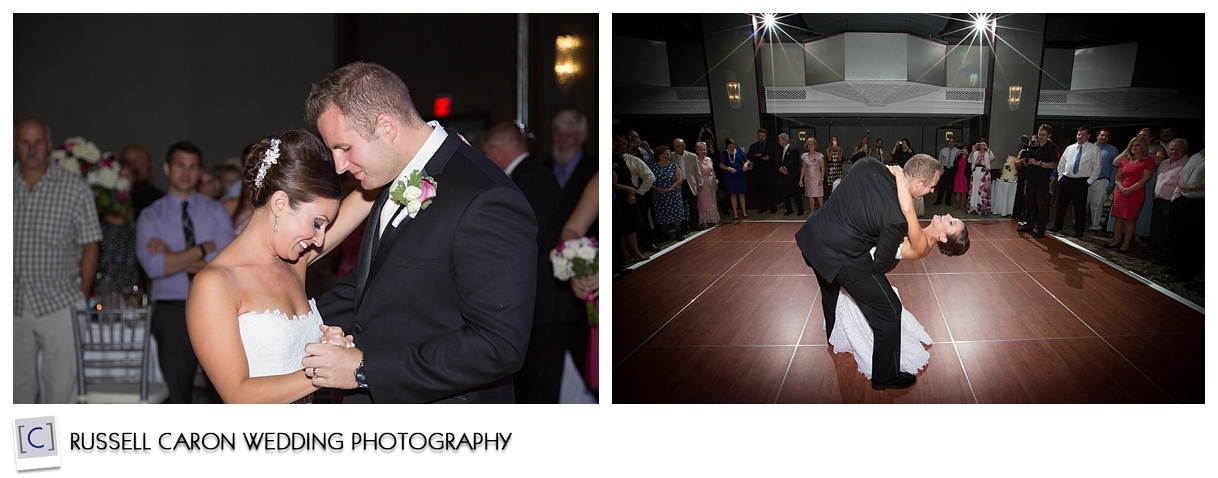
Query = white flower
x=585 y=253
x=106 y=178
x=413 y=193
x=122 y=185
x=568 y=252
x=412 y=207
x=70 y=164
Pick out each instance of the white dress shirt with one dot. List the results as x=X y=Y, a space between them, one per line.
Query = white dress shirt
x=1089 y=161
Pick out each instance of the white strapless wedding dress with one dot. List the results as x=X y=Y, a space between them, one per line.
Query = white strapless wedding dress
x=275 y=343
x=853 y=334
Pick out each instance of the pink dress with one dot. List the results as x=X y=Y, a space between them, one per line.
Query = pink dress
x=962 y=172
x=1129 y=206
x=813 y=186
x=708 y=207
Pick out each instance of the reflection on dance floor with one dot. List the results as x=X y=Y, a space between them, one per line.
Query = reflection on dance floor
x=734 y=316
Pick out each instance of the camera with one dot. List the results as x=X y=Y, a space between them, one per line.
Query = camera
x=1029 y=147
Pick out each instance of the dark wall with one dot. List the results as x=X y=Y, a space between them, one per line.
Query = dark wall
x=546 y=99
x=220 y=81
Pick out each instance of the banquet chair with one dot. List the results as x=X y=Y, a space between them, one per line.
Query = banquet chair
x=113 y=356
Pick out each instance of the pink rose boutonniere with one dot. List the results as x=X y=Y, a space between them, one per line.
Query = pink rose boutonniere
x=416 y=192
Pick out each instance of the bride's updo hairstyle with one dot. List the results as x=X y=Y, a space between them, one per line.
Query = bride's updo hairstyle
x=295 y=162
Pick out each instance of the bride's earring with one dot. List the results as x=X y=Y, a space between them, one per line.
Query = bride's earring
x=276 y=223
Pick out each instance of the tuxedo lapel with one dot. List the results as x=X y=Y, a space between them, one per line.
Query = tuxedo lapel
x=370 y=242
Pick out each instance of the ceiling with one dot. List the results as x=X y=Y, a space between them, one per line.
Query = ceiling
x=1062 y=30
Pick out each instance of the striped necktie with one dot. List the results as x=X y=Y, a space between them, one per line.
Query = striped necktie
x=188 y=231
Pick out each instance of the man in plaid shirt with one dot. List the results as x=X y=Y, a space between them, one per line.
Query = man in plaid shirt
x=56 y=231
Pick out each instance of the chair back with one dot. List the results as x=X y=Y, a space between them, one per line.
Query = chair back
x=112 y=354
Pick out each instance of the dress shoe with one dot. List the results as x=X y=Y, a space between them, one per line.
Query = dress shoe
x=1122 y=251
x=801 y=212
x=936 y=203
x=1039 y=234
x=1055 y=229
x=1078 y=235
x=788 y=213
x=1111 y=246
x=653 y=248
x=903 y=380
x=773 y=210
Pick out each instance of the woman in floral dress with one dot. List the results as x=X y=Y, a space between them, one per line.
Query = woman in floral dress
x=811 y=173
x=667 y=206
x=708 y=207
x=979 y=195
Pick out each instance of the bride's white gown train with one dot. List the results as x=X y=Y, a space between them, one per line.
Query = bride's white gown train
x=275 y=343
x=852 y=333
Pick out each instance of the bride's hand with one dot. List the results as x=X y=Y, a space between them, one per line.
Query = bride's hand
x=331 y=335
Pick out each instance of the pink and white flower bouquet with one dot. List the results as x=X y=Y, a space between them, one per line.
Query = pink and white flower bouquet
x=101 y=172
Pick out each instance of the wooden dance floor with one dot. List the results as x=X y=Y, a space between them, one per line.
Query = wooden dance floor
x=734 y=316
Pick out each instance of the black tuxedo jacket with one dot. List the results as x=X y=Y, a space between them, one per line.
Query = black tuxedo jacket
x=541 y=189
x=575 y=189
x=792 y=162
x=771 y=149
x=862 y=213
x=442 y=304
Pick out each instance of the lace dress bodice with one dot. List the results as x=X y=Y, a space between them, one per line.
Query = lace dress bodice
x=274 y=343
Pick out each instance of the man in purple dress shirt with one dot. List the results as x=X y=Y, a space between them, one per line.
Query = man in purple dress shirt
x=176 y=236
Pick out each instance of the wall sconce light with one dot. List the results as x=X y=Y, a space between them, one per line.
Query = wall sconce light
x=733 y=94
x=1013 y=99
x=566 y=63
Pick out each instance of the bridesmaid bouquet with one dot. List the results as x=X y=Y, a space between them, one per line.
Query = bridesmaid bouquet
x=101 y=172
x=578 y=259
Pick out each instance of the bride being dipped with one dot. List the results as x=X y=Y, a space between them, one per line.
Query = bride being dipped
x=247 y=313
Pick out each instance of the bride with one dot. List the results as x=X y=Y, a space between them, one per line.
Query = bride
x=247 y=313
x=853 y=334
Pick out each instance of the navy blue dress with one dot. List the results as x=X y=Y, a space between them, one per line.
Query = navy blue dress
x=737 y=183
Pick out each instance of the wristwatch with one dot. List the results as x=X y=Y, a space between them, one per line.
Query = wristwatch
x=361 y=380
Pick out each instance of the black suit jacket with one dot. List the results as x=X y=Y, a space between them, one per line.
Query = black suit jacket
x=575 y=188
x=792 y=162
x=862 y=213
x=541 y=189
x=442 y=308
x=771 y=149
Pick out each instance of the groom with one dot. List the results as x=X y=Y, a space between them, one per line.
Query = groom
x=864 y=212
x=440 y=304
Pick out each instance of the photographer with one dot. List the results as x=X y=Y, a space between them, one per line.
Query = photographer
x=1027 y=150
x=1039 y=165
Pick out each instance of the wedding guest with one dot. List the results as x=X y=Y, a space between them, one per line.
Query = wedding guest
x=764 y=157
x=668 y=208
x=230 y=178
x=56 y=229
x=539 y=379
x=1188 y=221
x=574 y=168
x=788 y=171
x=960 y=185
x=861 y=151
x=175 y=238
x=947 y=157
x=708 y=207
x=588 y=288
x=688 y=162
x=1142 y=224
x=118 y=269
x=143 y=192
x=647 y=235
x=979 y=194
x=1079 y=167
x=209 y=186
x=734 y=162
x=1169 y=177
x=811 y=173
x=902 y=152
x=1101 y=190
x=1039 y=172
x=833 y=164
x=1136 y=168
x=634 y=179
x=880 y=153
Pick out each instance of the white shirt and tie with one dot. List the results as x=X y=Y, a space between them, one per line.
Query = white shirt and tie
x=1080 y=161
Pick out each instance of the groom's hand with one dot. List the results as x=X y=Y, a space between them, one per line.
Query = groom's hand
x=331 y=366
x=333 y=335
